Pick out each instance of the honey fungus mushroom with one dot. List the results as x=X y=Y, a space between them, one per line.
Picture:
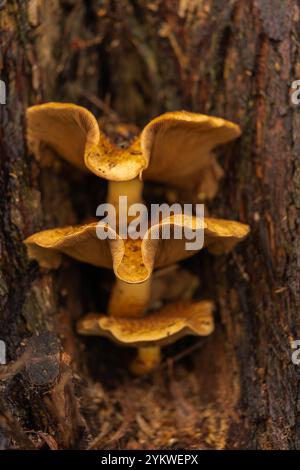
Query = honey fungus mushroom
x=175 y=148
x=151 y=332
x=133 y=262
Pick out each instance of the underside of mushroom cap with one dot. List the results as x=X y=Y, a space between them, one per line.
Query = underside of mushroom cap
x=174 y=148
x=132 y=260
x=73 y=133
x=178 y=147
x=162 y=327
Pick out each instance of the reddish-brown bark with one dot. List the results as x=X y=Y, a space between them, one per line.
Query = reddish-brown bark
x=235 y=59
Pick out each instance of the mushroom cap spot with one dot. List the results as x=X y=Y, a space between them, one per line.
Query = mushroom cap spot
x=73 y=133
x=178 y=146
x=113 y=163
x=161 y=327
x=133 y=261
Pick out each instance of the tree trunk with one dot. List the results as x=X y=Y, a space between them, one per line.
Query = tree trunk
x=127 y=61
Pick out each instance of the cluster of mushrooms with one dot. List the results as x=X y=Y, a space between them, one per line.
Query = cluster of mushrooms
x=173 y=149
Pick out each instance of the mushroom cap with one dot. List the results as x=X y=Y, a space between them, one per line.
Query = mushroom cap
x=161 y=327
x=174 y=148
x=73 y=133
x=178 y=146
x=132 y=260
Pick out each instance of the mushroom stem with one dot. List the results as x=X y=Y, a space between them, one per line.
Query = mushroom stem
x=129 y=300
x=146 y=360
x=132 y=189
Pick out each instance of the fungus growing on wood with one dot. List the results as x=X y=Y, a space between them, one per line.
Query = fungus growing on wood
x=133 y=262
x=174 y=148
x=152 y=331
x=73 y=133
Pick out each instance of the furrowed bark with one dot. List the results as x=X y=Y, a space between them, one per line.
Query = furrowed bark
x=129 y=61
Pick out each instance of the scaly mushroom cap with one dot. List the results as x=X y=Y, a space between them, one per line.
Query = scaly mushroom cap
x=133 y=260
x=162 y=327
x=174 y=148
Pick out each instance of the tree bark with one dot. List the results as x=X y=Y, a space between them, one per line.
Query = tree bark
x=129 y=60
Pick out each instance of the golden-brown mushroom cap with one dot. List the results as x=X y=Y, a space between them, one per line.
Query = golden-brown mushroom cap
x=178 y=147
x=160 y=328
x=174 y=148
x=74 y=134
x=132 y=260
